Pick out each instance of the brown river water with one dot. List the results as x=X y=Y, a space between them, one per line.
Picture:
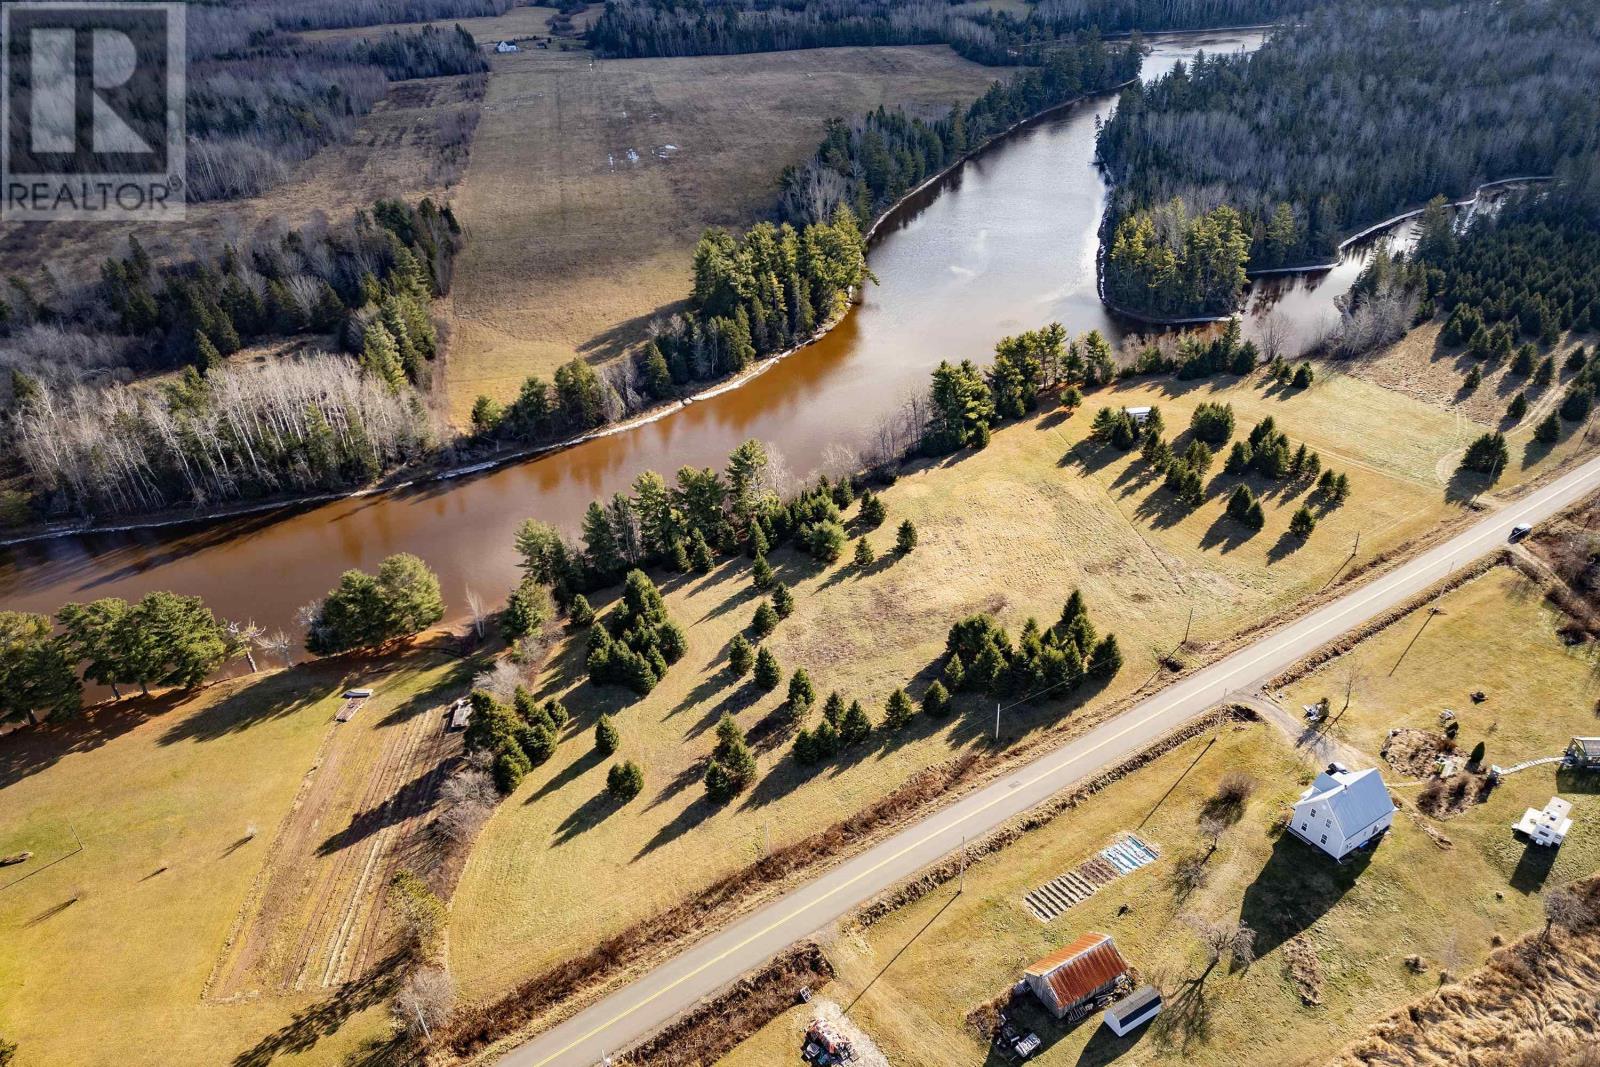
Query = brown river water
x=1004 y=243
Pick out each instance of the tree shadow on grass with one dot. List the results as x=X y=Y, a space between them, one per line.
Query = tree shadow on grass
x=410 y=798
x=437 y=696
x=567 y=775
x=323 y=1019
x=1162 y=510
x=1106 y=1047
x=27 y=751
x=1297 y=886
x=690 y=775
x=738 y=698
x=1226 y=533
x=51 y=912
x=1185 y=1019
x=1536 y=450
x=1464 y=485
x=274 y=697
x=614 y=340
x=695 y=814
x=1286 y=545
x=589 y=814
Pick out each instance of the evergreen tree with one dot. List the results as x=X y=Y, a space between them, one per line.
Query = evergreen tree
x=740 y=656
x=1303 y=522
x=1548 y=431
x=854 y=726
x=700 y=557
x=955 y=672
x=579 y=613
x=801 y=693
x=899 y=711
x=905 y=538
x=936 y=700
x=765 y=620
x=37 y=679
x=606 y=736
x=864 y=557
x=761 y=572
x=782 y=601
x=768 y=674
x=527 y=610
x=833 y=709
x=1517 y=408
x=624 y=781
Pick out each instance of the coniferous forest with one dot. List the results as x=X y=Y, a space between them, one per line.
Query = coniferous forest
x=874 y=159
x=1356 y=112
x=718 y=27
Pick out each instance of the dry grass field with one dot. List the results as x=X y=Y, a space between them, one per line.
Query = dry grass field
x=590 y=182
x=190 y=812
x=1342 y=935
x=398 y=151
x=1012 y=529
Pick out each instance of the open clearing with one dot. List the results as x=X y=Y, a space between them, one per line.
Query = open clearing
x=1012 y=529
x=575 y=244
x=409 y=146
x=178 y=803
x=1338 y=935
x=317 y=919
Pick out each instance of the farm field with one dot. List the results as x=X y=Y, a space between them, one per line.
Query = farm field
x=1337 y=935
x=574 y=244
x=197 y=816
x=1012 y=530
x=409 y=146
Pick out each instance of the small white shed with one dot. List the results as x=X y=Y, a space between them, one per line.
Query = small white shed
x=507 y=46
x=1132 y=1012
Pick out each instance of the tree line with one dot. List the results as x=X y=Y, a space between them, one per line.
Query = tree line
x=871 y=161
x=1340 y=120
x=260 y=99
x=165 y=639
x=996 y=37
x=752 y=294
x=221 y=432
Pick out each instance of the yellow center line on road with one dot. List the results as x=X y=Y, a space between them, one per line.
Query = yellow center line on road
x=1355 y=601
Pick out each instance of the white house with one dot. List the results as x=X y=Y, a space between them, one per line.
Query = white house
x=1343 y=810
x=1547 y=827
x=507 y=46
x=1139 y=415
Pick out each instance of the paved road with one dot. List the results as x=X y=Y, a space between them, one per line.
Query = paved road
x=654 y=999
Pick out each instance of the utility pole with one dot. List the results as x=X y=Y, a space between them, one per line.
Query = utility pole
x=962 y=886
x=425 y=1031
x=997 y=722
x=1357 y=547
x=1188 y=626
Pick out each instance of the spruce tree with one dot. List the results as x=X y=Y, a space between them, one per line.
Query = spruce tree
x=936 y=700
x=624 y=781
x=1303 y=522
x=873 y=511
x=801 y=693
x=740 y=656
x=955 y=672
x=765 y=620
x=864 y=557
x=906 y=538
x=833 y=708
x=700 y=557
x=782 y=601
x=768 y=674
x=855 y=727
x=899 y=711
x=606 y=737
x=761 y=572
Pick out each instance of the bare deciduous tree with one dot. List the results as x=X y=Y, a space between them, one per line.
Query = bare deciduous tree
x=1566 y=908
x=425 y=1001
x=246 y=637
x=476 y=609
x=1223 y=940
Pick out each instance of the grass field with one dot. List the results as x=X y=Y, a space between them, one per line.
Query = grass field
x=575 y=244
x=1012 y=529
x=105 y=955
x=1414 y=898
x=396 y=152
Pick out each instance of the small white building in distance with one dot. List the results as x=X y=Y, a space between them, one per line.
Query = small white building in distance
x=1547 y=827
x=1139 y=415
x=507 y=46
x=1343 y=810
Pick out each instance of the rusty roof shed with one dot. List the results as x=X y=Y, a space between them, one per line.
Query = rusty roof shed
x=1076 y=973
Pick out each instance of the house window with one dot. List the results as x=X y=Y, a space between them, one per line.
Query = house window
x=1327 y=822
x=1303 y=827
x=1324 y=839
x=1313 y=813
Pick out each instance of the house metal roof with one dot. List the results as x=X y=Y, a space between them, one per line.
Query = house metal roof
x=1590 y=745
x=1354 y=799
x=1080 y=968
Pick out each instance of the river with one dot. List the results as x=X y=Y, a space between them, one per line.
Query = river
x=1004 y=243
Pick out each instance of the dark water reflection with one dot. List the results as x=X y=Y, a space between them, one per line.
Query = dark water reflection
x=1005 y=244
